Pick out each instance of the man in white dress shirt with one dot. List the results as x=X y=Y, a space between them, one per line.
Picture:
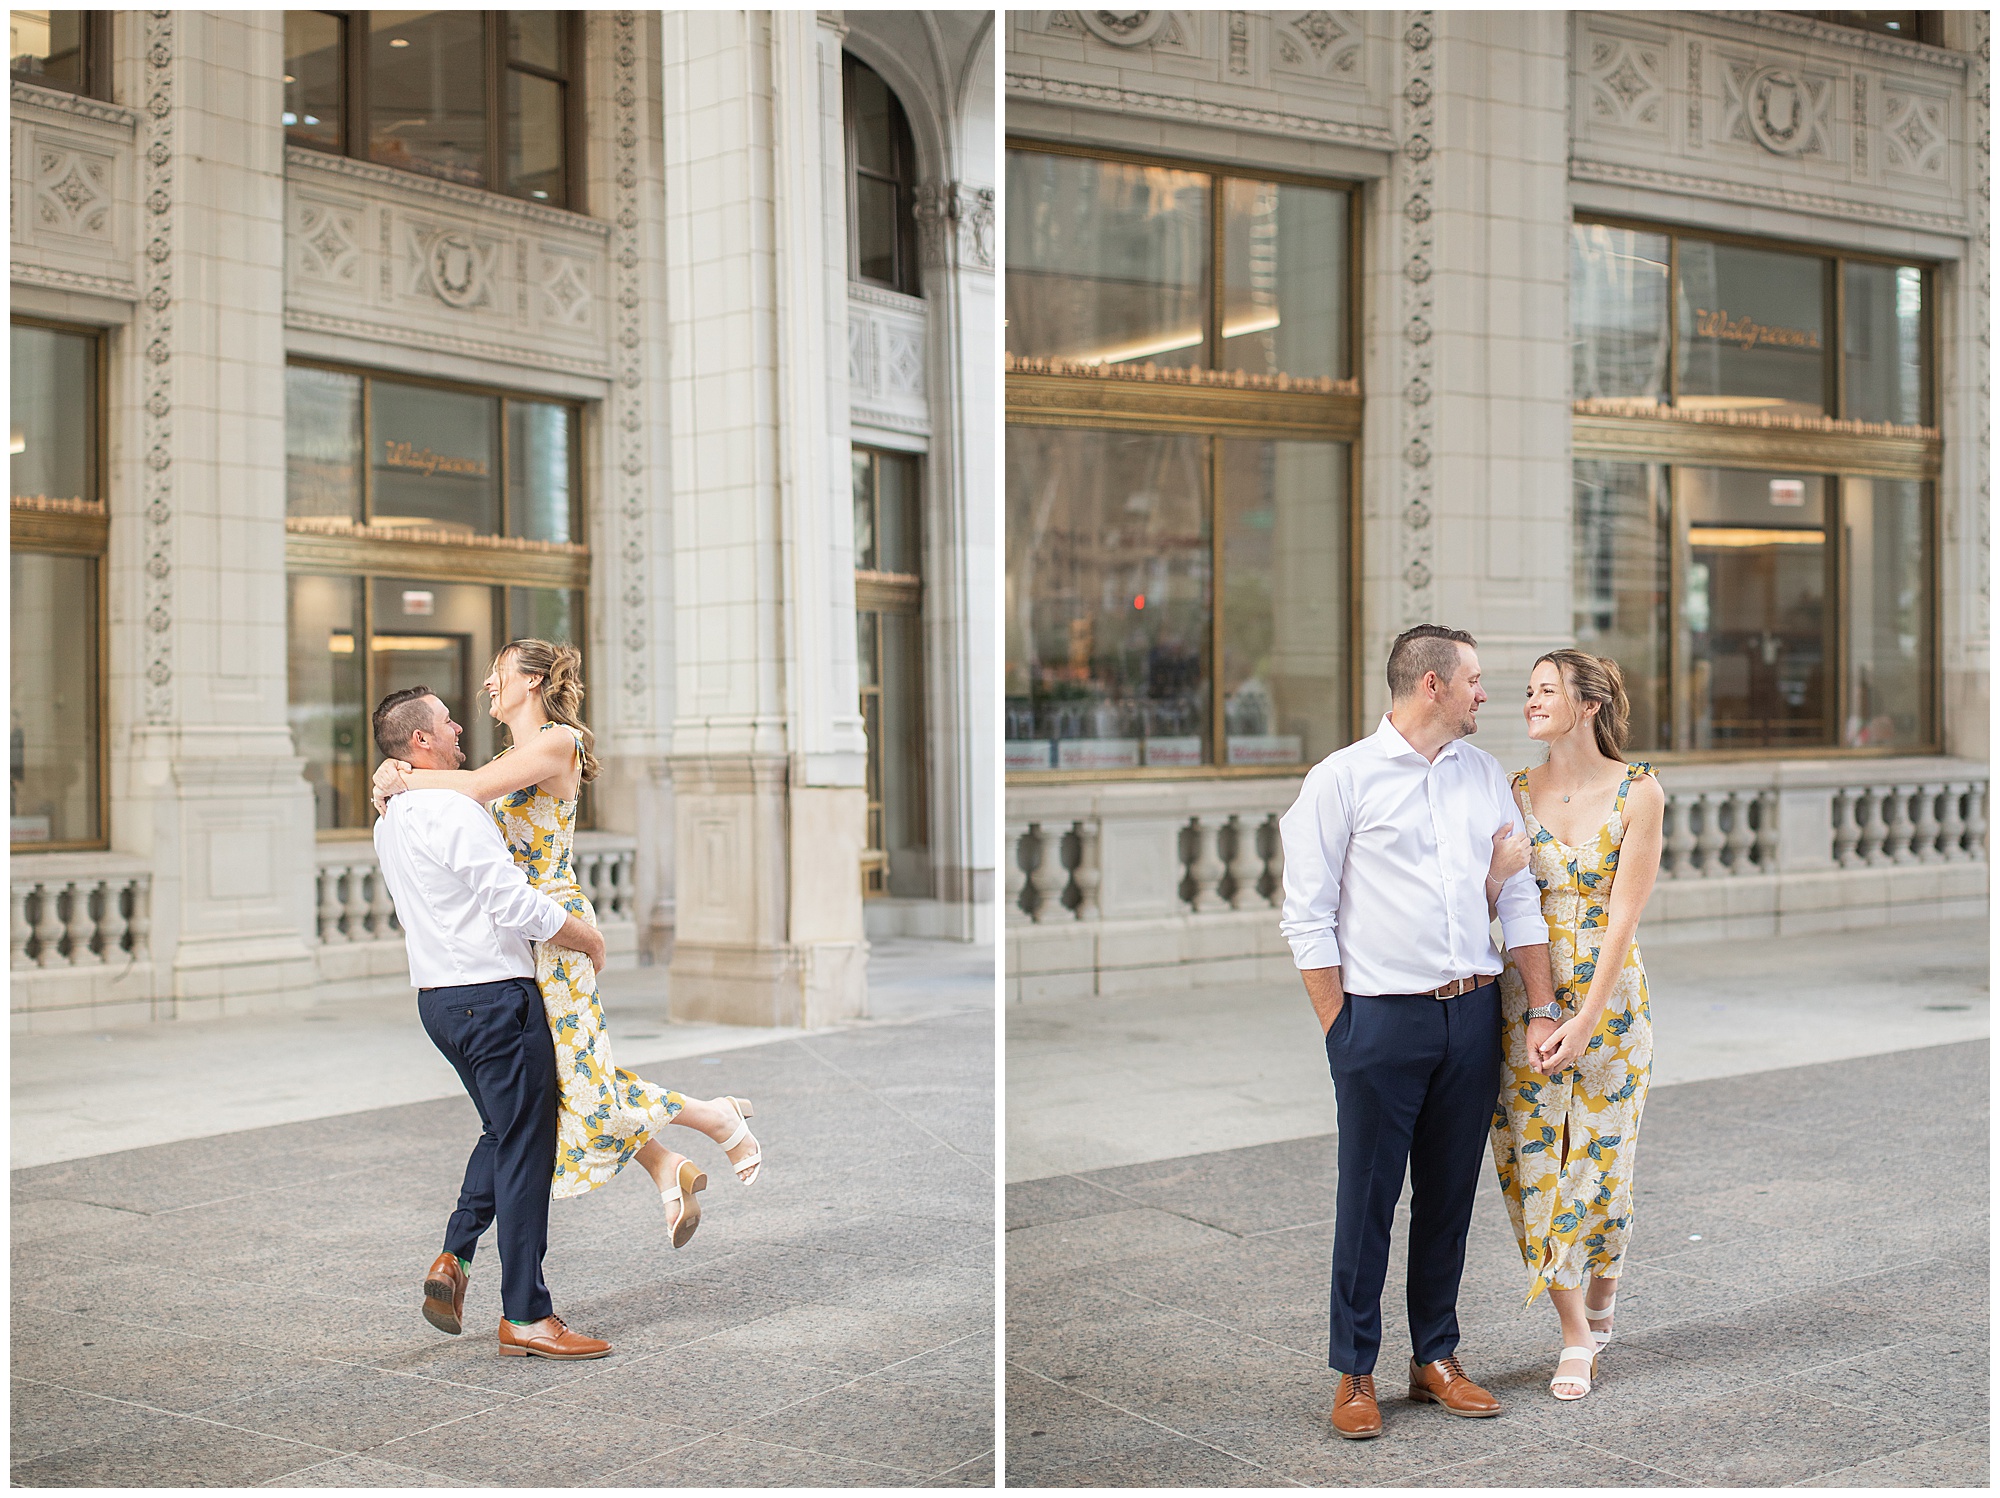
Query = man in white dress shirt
x=468 y=915
x=1386 y=908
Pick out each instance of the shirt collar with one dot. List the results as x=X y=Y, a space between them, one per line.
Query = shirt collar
x=1394 y=744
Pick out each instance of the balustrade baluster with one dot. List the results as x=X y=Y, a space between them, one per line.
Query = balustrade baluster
x=1766 y=850
x=1975 y=822
x=380 y=907
x=329 y=902
x=1206 y=869
x=1017 y=877
x=1868 y=815
x=357 y=902
x=1846 y=828
x=20 y=931
x=1951 y=826
x=1089 y=873
x=1708 y=842
x=80 y=927
x=142 y=918
x=1737 y=841
x=1046 y=850
x=1896 y=825
x=111 y=928
x=49 y=927
x=1925 y=845
x=621 y=891
x=1245 y=867
x=1679 y=839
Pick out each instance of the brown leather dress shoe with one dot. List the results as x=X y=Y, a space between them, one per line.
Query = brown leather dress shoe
x=548 y=1338
x=444 y=1294
x=1356 y=1415
x=1445 y=1383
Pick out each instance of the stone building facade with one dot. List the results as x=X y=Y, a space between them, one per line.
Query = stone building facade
x=331 y=373
x=1662 y=333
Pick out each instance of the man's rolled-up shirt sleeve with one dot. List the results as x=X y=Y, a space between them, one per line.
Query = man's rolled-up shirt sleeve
x=496 y=881
x=1314 y=834
x=1520 y=901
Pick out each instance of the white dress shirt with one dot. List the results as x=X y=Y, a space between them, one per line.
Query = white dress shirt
x=1386 y=856
x=468 y=912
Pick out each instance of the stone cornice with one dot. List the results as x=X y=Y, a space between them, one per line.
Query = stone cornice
x=1177 y=107
x=55 y=278
x=1825 y=205
x=303 y=159
x=444 y=343
x=57 y=101
x=1804 y=28
x=881 y=296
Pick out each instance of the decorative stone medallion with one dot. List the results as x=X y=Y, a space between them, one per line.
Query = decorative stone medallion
x=1125 y=28
x=454 y=267
x=1780 y=111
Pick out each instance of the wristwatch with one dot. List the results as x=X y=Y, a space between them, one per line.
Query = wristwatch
x=1546 y=1011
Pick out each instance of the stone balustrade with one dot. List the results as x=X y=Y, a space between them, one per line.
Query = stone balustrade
x=354 y=904
x=63 y=916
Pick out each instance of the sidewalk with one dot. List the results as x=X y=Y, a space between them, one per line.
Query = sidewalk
x=1167 y=1311
x=241 y=1308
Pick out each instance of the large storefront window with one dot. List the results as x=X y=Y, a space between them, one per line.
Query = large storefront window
x=427 y=525
x=1754 y=533
x=483 y=98
x=1180 y=437
x=56 y=777
x=888 y=595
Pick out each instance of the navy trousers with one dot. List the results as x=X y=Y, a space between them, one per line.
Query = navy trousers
x=497 y=1039
x=1414 y=1085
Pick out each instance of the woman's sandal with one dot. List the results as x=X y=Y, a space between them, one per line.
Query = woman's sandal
x=1601 y=1313
x=1579 y=1383
x=754 y=1161
x=683 y=1206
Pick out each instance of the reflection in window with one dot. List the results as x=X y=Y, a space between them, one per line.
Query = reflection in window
x=63 y=49
x=327 y=703
x=882 y=182
x=322 y=443
x=1622 y=575
x=1884 y=345
x=437 y=460
x=53 y=408
x=1108 y=600
x=427 y=92
x=315 y=79
x=1752 y=330
x=1888 y=614
x=539 y=460
x=53 y=730
x=1618 y=313
x=885 y=512
x=1285 y=294
x=889 y=643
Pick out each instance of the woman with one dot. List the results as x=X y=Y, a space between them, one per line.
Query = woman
x=607 y=1115
x=1567 y=1122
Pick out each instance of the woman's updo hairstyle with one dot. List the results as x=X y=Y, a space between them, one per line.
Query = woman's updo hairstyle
x=1596 y=678
x=561 y=669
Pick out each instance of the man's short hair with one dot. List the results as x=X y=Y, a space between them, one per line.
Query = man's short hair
x=1428 y=647
x=398 y=717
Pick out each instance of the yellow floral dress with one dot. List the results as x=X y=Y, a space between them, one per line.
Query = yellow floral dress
x=606 y=1114
x=1572 y=1212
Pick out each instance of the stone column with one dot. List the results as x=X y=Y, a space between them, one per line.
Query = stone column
x=768 y=752
x=205 y=781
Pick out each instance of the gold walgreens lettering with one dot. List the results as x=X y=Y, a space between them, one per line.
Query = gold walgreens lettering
x=1745 y=333
x=423 y=460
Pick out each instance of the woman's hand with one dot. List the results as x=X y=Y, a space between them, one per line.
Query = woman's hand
x=1565 y=1047
x=1510 y=855
x=389 y=782
x=1539 y=1030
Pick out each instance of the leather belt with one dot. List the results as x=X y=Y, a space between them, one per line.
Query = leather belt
x=1463 y=985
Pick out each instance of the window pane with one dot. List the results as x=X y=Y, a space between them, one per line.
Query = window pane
x=54 y=415
x=537 y=37
x=1618 y=313
x=1622 y=583
x=1285 y=283
x=875 y=207
x=322 y=443
x=47 y=47
x=1107 y=599
x=898 y=548
x=328 y=715
x=873 y=110
x=438 y=635
x=313 y=78
x=1284 y=601
x=1885 y=343
x=437 y=459
x=1752 y=327
x=902 y=756
x=535 y=138
x=864 y=511
x=552 y=614
x=1753 y=613
x=1889 y=609
x=427 y=92
x=53 y=729
x=538 y=471
x=1107 y=262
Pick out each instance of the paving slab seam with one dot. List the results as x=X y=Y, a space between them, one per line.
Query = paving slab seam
x=1157 y=1424
x=1592 y=1446
x=859 y=1461
x=1211 y=1321
x=1821 y=1477
x=431 y=1479
x=935 y=1477
x=863 y=1087
x=153 y=1409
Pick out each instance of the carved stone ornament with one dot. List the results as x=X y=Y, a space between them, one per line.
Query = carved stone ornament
x=454 y=268
x=1125 y=28
x=1780 y=109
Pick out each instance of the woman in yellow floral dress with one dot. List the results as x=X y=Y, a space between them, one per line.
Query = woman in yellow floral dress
x=1566 y=1127
x=607 y=1115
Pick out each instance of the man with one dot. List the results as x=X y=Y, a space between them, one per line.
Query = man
x=1386 y=908
x=468 y=914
